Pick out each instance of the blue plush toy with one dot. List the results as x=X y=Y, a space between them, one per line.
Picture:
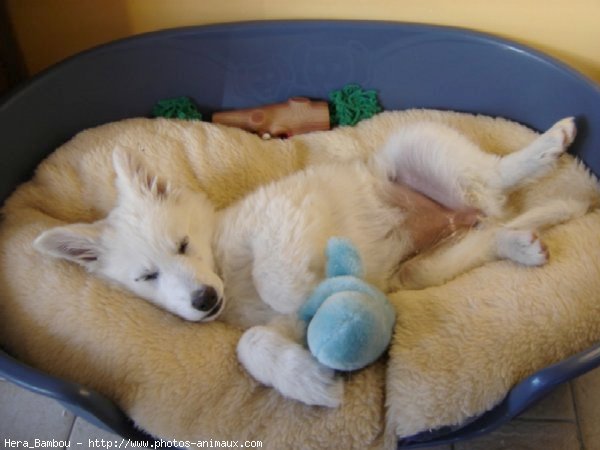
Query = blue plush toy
x=350 y=322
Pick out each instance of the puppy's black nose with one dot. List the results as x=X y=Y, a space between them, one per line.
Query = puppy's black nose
x=205 y=299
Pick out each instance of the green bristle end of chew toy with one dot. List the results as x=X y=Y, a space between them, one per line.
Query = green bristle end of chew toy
x=351 y=104
x=177 y=108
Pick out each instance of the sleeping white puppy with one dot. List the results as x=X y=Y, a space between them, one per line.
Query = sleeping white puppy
x=256 y=262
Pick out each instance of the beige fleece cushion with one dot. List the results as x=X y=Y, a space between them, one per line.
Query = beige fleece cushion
x=457 y=348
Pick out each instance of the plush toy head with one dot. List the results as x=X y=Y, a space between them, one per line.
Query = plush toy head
x=350 y=322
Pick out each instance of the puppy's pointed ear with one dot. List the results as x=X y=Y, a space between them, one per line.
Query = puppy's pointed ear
x=79 y=243
x=134 y=177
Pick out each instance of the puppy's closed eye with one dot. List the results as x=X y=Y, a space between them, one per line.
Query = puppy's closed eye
x=182 y=246
x=148 y=276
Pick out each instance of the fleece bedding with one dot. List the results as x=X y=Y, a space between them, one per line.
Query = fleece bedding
x=456 y=349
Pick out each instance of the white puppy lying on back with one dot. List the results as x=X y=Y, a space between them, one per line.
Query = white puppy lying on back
x=256 y=262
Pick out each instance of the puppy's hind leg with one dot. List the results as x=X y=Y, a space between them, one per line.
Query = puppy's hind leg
x=442 y=164
x=538 y=158
x=434 y=268
x=473 y=250
x=446 y=166
x=515 y=241
x=273 y=355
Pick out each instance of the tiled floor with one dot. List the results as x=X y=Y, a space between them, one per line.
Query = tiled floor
x=568 y=419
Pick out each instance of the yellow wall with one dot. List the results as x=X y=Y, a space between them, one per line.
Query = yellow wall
x=49 y=30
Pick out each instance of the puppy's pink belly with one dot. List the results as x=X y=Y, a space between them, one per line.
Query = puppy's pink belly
x=433 y=189
x=427 y=221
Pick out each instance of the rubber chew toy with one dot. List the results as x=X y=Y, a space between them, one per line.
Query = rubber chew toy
x=296 y=116
x=350 y=322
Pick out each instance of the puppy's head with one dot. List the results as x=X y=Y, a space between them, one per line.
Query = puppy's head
x=156 y=243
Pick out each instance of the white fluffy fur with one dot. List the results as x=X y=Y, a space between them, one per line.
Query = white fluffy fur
x=264 y=254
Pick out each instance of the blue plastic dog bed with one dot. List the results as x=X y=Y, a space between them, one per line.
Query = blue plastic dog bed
x=248 y=64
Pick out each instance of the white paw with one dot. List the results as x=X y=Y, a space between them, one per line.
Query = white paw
x=276 y=360
x=309 y=381
x=566 y=129
x=555 y=141
x=524 y=247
